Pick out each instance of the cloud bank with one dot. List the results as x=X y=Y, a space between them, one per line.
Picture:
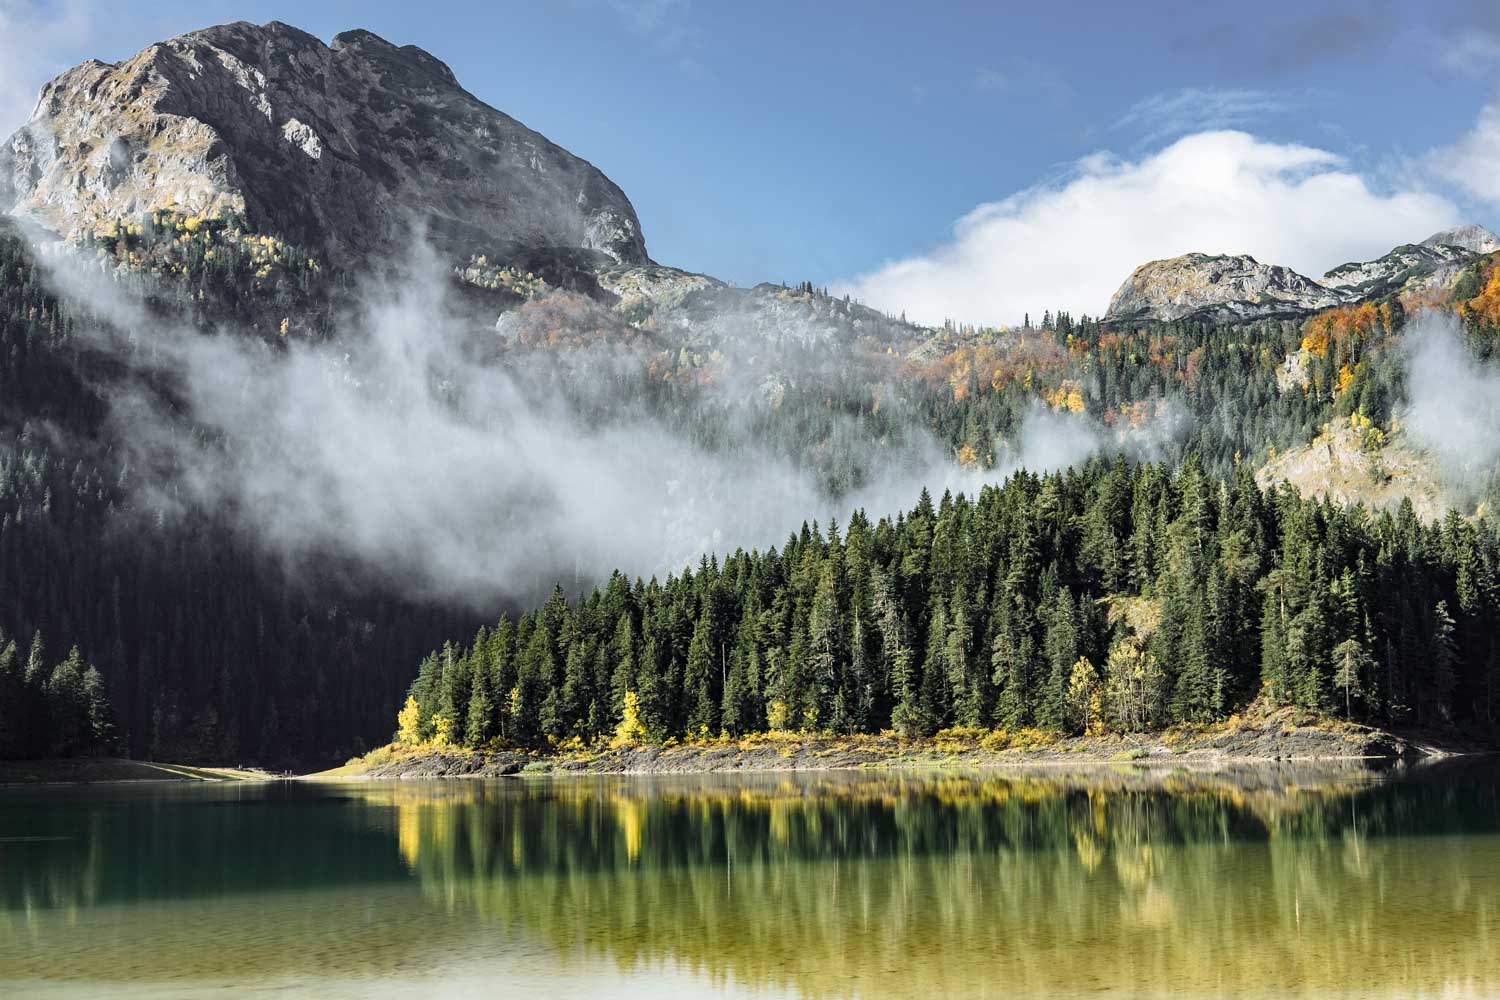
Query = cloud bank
x=405 y=448
x=1069 y=244
x=1470 y=163
x=1453 y=401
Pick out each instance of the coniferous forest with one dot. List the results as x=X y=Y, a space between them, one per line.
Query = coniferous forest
x=1114 y=597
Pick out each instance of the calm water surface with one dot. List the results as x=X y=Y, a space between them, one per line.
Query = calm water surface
x=1251 y=883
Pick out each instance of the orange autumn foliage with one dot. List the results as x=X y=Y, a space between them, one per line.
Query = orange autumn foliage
x=1014 y=359
x=1342 y=325
x=1484 y=308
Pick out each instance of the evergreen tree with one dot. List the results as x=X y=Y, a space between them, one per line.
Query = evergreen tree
x=1063 y=652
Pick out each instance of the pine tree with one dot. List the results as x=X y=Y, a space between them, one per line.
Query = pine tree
x=101 y=724
x=1273 y=641
x=825 y=647
x=700 y=681
x=67 y=703
x=1010 y=662
x=1062 y=650
x=742 y=691
x=453 y=700
x=966 y=680
x=933 y=698
x=482 y=711
x=13 y=702
x=1444 y=662
x=1349 y=659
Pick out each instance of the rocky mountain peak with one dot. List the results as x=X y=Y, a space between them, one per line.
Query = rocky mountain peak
x=1215 y=286
x=1470 y=237
x=1227 y=288
x=346 y=149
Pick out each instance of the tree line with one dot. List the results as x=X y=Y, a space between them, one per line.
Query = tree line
x=1112 y=597
x=51 y=710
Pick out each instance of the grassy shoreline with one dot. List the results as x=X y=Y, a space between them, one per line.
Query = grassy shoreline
x=1282 y=736
x=115 y=770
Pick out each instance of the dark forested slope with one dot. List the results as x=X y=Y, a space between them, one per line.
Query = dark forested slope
x=207 y=649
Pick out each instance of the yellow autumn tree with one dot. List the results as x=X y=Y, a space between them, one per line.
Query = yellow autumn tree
x=1135 y=685
x=409 y=723
x=1085 y=698
x=630 y=731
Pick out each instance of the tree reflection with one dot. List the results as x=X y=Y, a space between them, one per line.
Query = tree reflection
x=985 y=885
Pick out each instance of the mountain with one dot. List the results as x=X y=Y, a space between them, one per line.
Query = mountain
x=340 y=149
x=1223 y=288
x=1405 y=268
x=1229 y=288
x=1470 y=237
x=253 y=537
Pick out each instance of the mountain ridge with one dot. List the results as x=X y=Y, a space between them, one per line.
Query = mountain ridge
x=344 y=148
x=1229 y=287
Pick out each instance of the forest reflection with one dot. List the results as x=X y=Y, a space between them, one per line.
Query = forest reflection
x=1253 y=882
x=984 y=885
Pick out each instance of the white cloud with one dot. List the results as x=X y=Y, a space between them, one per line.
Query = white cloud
x=1453 y=404
x=1473 y=163
x=1070 y=243
x=36 y=43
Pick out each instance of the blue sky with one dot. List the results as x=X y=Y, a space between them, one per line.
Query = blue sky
x=827 y=141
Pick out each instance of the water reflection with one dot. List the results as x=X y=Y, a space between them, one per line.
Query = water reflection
x=888 y=885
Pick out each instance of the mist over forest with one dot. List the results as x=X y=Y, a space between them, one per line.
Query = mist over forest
x=271 y=454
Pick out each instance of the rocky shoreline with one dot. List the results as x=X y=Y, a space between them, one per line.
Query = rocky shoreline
x=1282 y=737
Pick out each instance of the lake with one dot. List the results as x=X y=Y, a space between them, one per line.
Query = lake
x=1247 y=882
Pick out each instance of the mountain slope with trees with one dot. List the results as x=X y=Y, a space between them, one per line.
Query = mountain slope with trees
x=211 y=649
x=1112 y=597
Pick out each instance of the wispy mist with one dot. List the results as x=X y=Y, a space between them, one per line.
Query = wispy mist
x=1453 y=405
x=401 y=447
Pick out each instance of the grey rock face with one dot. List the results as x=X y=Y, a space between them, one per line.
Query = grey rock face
x=1470 y=237
x=1405 y=267
x=1216 y=287
x=1227 y=288
x=342 y=148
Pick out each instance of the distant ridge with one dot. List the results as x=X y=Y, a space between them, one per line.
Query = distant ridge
x=1225 y=288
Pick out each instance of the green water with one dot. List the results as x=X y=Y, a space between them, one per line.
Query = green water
x=1115 y=881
